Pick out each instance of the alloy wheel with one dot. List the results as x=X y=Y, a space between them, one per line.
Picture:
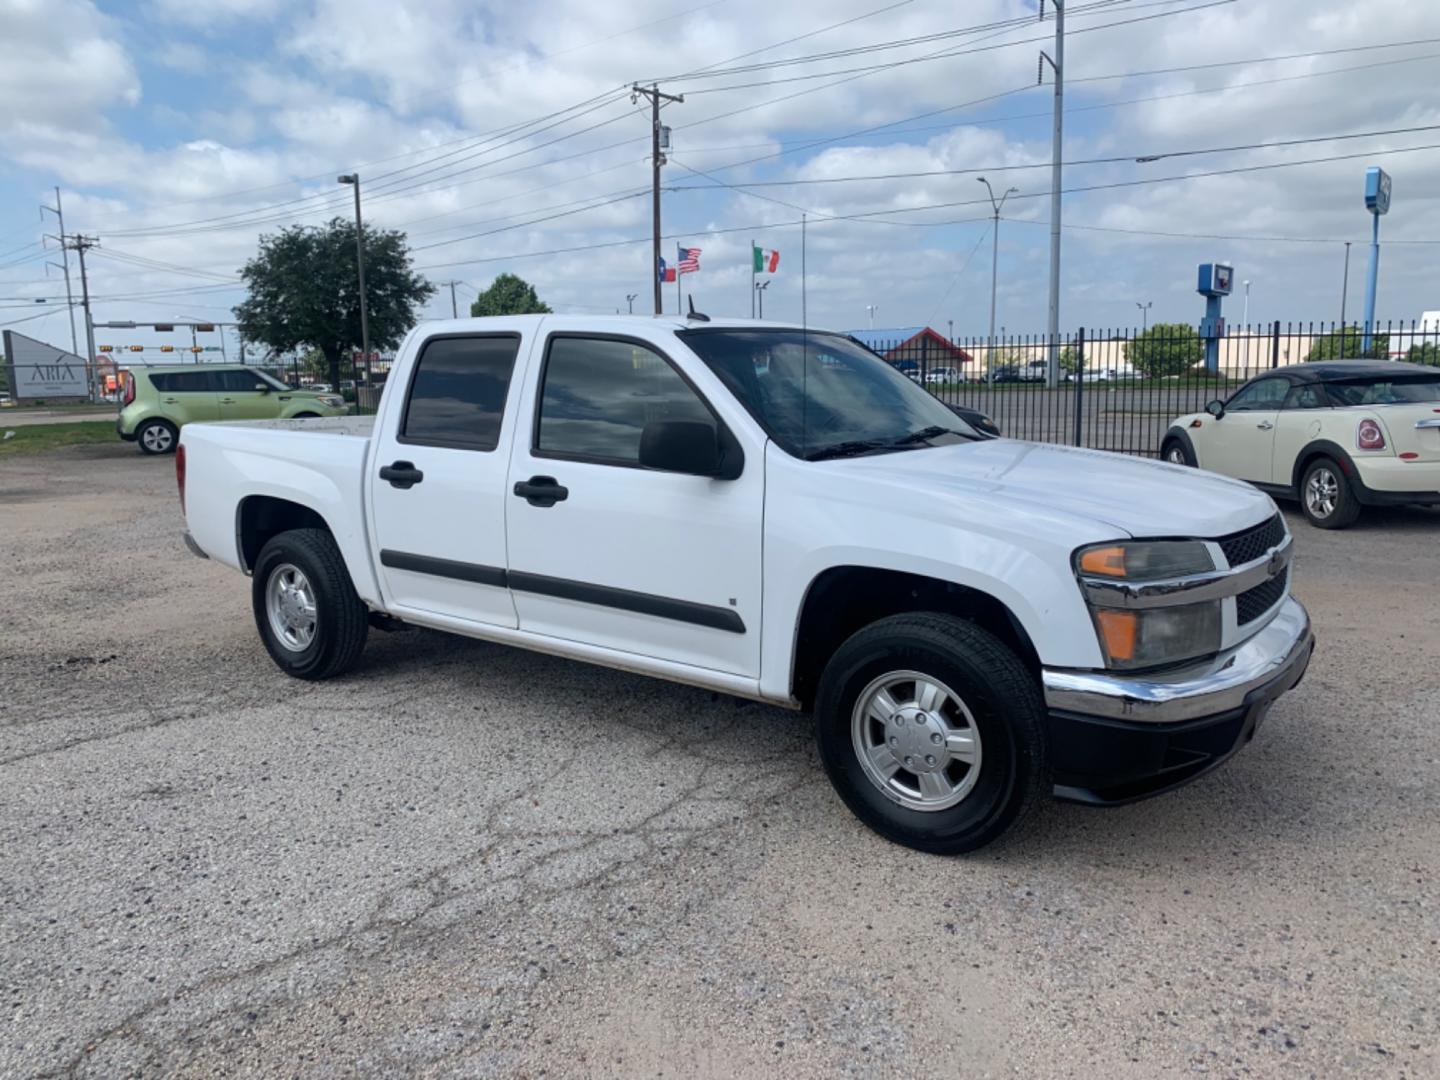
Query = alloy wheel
x=916 y=741
x=290 y=605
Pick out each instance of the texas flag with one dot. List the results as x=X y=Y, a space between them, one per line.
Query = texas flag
x=667 y=273
x=766 y=262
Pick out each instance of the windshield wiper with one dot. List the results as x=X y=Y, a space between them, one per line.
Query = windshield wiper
x=927 y=433
x=847 y=448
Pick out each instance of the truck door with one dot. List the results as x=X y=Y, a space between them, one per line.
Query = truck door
x=437 y=483
x=609 y=553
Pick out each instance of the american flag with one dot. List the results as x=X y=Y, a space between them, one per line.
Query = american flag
x=689 y=260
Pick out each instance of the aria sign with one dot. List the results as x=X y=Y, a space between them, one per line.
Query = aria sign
x=39 y=371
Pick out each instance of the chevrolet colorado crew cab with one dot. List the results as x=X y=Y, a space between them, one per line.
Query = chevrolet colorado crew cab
x=775 y=513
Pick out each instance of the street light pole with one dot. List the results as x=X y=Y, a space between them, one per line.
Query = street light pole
x=760 y=295
x=1144 y=314
x=1245 y=315
x=871 y=308
x=630 y=299
x=1345 y=286
x=995 y=250
x=354 y=180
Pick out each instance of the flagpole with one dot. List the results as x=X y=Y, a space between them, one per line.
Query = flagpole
x=803 y=320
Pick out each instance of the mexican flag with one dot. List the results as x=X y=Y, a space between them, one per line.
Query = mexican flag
x=766 y=262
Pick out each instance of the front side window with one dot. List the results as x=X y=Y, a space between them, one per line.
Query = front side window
x=600 y=393
x=457 y=395
x=1259 y=396
x=824 y=395
x=1306 y=396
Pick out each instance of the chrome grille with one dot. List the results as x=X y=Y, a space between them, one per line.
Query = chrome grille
x=1253 y=603
x=1250 y=544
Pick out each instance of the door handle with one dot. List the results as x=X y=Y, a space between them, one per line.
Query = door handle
x=172 y=401
x=401 y=474
x=1264 y=425
x=541 y=491
x=227 y=401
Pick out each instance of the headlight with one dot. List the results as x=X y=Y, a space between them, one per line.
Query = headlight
x=1140 y=626
x=335 y=401
x=1146 y=560
x=1149 y=637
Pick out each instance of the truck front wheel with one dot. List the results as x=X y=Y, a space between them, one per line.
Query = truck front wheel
x=932 y=731
x=312 y=622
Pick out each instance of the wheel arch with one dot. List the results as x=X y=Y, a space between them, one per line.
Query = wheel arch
x=1324 y=448
x=259 y=518
x=841 y=600
x=1179 y=434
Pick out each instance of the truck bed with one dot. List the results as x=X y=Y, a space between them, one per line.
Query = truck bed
x=357 y=426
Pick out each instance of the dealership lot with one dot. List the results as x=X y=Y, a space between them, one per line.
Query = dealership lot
x=467 y=860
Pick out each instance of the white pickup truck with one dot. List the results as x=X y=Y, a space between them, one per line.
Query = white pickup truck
x=775 y=513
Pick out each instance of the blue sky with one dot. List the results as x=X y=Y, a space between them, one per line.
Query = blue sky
x=181 y=130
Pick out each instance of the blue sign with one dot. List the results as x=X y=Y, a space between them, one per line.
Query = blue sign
x=1377 y=190
x=1215 y=279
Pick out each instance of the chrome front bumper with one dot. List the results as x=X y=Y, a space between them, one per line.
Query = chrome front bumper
x=1278 y=652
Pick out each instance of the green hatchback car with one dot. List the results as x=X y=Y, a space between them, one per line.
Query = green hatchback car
x=158 y=401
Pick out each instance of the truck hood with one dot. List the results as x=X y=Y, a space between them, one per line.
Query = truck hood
x=1128 y=494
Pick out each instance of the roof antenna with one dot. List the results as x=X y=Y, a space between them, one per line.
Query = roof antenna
x=697 y=316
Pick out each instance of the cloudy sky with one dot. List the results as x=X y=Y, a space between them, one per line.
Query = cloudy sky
x=500 y=137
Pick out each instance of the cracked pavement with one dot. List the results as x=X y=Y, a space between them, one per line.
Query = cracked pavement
x=466 y=860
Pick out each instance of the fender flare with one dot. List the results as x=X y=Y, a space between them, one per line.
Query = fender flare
x=1337 y=453
x=1180 y=433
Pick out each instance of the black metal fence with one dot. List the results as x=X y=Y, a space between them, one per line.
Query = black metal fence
x=1120 y=389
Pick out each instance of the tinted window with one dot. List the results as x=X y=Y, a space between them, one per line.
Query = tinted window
x=1308 y=396
x=816 y=393
x=1405 y=389
x=237 y=382
x=1262 y=395
x=458 y=393
x=184 y=382
x=599 y=395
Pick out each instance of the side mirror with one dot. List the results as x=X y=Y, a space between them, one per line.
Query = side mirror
x=263 y=388
x=1216 y=408
x=689 y=446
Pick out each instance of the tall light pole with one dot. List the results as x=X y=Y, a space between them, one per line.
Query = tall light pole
x=872 y=308
x=760 y=295
x=1345 y=286
x=995 y=249
x=630 y=299
x=1245 y=312
x=1057 y=143
x=1144 y=314
x=354 y=180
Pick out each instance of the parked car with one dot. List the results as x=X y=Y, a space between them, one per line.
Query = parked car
x=973 y=622
x=1336 y=435
x=5 y=401
x=944 y=375
x=159 y=401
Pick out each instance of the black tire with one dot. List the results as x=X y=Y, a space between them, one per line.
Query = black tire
x=1328 y=477
x=1177 y=451
x=306 y=416
x=341 y=621
x=156 y=437
x=1005 y=708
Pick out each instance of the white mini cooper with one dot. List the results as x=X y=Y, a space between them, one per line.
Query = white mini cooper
x=1336 y=435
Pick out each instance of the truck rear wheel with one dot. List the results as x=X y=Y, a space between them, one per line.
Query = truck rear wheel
x=312 y=622
x=933 y=732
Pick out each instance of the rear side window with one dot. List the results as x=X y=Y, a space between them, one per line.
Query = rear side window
x=600 y=393
x=457 y=395
x=1401 y=390
x=183 y=382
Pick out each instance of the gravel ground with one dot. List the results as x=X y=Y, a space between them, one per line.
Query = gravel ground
x=468 y=861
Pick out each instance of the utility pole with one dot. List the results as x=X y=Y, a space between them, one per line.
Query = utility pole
x=1345 y=286
x=1057 y=65
x=354 y=180
x=65 y=256
x=659 y=141
x=995 y=250
x=454 y=308
x=82 y=244
x=630 y=299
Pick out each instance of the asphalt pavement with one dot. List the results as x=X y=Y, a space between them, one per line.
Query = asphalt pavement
x=466 y=860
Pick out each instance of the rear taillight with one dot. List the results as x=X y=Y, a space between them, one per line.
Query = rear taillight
x=180 y=473
x=1370 y=437
x=129 y=388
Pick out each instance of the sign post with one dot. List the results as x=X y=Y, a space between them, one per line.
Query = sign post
x=1377 y=201
x=1215 y=282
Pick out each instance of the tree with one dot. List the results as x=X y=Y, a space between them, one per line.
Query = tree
x=1165 y=349
x=1069 y=360
x=1427 y=352
x=1345 y=344
x=304 y=293
x=509 y=295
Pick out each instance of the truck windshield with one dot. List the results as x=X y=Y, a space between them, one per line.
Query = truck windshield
x=822 y=395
